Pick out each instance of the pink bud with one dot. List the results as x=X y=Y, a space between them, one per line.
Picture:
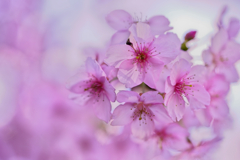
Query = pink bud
x=190 y=35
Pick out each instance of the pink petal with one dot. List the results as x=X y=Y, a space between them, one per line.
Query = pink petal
x=142 y=128
x=218 y=85
x=160 y=84
x=132 y=37
x=143 y=31
x=222 y=14
x=219 y=109
x=83 y=99
x=151 y=97
x=176 y=107
x=153 y=74
x=229 y=72
x=110 y=71
x=185 y=55
x=233 y=28
x=169 y=89
x=189 y=119
x=196 y=72
x=117 y=54
x=102 y=108
x=122 y=115
x=77 y=83
x=169 y=47
x=109 y=90
x=79 y=87
x=95 y=53
x=195 y=104
x=119 y=19
x=219 y=40
x=206 y=147
x=207 y=57
x=176 y=141
x=94 y=68
x=129 y=74
x=159 y=25
x=231 y=52
x=128 y=96
x=199 y=93
x=120 y=37
x=203 y=116
x=161 y=114
x=180 y=69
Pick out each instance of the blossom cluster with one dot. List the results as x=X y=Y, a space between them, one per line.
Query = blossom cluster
x=140 y=97
x=168 y=107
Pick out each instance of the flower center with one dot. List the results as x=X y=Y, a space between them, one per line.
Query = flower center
x=181 y=87
x=142 y=53
x=142 y=56
x=185 y=87
x=141 y=112
x=95 y=87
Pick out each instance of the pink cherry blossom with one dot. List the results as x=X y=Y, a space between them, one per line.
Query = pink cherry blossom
x=93 y=89
x=39 y=122
x=144 y=112
x=233 y=26
x=200 y=150
x=143 y=61
x=216 y=114
x=182 y=85
x=168 y=139
x=224 y=53
x=218 y=110
x=95 y=53
x=121 y=20
x=159 y=83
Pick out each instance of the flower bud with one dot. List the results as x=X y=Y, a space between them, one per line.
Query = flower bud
x=190 y=35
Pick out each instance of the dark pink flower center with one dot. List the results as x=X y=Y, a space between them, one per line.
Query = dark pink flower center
x=141 y=112
x=94 y=87
x=142 y=54
x=181 y=87
x=185 y=87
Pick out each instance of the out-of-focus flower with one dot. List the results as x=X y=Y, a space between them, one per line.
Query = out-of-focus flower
x=169 y=140
x=224 y=52
x=199 y=150
x=95 y=53
x=121 y=21
x=181 y=85
x=93 y=90
x=144 y=112
x=217 y=111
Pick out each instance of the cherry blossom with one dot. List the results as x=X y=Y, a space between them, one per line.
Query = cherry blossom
x=93 y=89
x=143 y=111
x=121 y=21
x=183 y=86
x=224 y=52
x=167 y=107
x=142 y=61
x=168 y=139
